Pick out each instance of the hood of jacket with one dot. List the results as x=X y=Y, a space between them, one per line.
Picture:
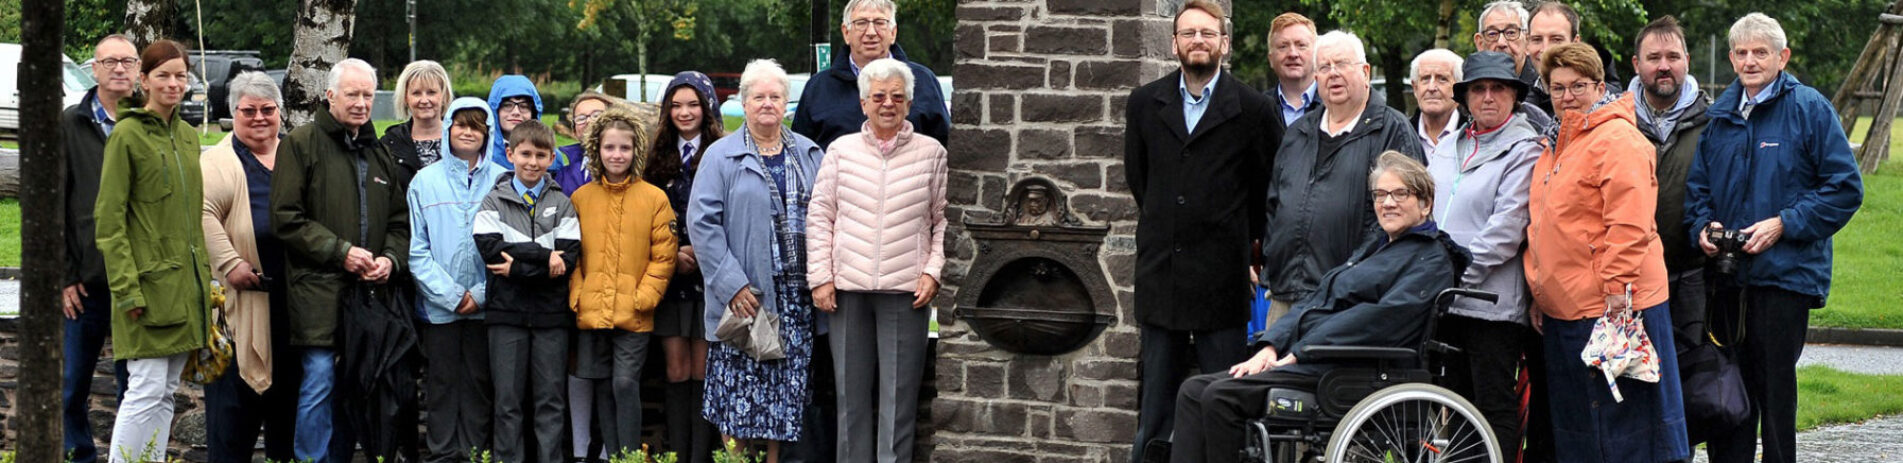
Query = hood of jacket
x=511 y=85
x=1493 y=144
x=489 y=118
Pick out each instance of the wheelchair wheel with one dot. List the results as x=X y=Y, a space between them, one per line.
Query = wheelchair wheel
x=1414 y=423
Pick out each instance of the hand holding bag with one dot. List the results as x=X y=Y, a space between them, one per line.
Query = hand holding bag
x=1619 y=346
x=757 y=336
x=207 y=364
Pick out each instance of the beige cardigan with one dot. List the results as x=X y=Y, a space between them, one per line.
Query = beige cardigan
x=230 y=240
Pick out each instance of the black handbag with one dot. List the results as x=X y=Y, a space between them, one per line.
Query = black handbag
x=1715 y=400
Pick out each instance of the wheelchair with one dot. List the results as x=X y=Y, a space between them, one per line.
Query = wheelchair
x=1380 y=405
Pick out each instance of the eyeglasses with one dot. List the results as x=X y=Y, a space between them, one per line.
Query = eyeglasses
x=523 y=105
x=109 y=63
x=1577 y=88
x=1325 y=68
x=882 y=98
x=266 y=111
x=1400 y=195
x=862 y=24
x=1495 y=35
x=584 y=118
x=1192 y=34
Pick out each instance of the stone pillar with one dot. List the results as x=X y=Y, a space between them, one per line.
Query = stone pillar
x=1041 y=91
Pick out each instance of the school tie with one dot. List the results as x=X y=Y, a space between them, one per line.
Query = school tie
x=529 y=198
x=687 y=153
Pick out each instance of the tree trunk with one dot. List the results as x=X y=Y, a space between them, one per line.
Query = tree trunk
x=1443 y=29
x=1394 y=68
x=148 y=21
x=43 y=227
x=322 y=38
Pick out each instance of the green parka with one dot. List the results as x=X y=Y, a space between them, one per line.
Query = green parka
x=320 y=209
x=148 y=229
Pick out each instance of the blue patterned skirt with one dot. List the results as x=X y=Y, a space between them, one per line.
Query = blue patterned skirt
x=750 y=399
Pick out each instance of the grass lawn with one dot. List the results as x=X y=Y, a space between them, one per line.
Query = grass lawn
x=9 y=232
x=1830 y=396
x=1868 y=258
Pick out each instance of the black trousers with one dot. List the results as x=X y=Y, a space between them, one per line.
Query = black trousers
x=234 y=412
x=1164 y=357
x=1773 y=323
x=1211 y=411
x=458 y=392
x=1486 y=372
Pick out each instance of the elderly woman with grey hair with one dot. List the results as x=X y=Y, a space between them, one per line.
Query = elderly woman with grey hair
x=1383 y=296
x=256 y=389
x=747 y=219
x=875 y=244
x=422 y=92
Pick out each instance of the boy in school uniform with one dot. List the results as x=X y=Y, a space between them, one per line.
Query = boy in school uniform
x=529 y=238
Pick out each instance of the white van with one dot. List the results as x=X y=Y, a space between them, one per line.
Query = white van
x=75 y=84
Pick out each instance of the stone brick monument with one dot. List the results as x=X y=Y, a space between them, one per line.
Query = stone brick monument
x=1039 y=105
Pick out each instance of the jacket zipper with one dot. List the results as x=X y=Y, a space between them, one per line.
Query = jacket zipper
x=179 y=172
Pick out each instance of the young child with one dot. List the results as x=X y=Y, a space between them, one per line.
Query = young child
x=529 y=236
x=628 y=257
x=450 y=280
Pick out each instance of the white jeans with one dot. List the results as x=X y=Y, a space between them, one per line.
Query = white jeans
x=145 y=417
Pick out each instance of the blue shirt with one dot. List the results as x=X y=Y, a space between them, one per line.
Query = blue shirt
x=102 y=117
x=1292 y=112
x=1193 y=107
x=855 y=66
x=533 y=194
x=1745 y=104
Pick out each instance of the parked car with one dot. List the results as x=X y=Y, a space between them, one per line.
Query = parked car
x=74 y=83
x=797 y=85
x=629 y=86
x=219 y=67
x=726 y=84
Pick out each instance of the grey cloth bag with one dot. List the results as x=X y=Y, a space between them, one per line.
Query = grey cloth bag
x=757 y=336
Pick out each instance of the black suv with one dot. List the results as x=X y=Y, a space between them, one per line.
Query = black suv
x=220 y=66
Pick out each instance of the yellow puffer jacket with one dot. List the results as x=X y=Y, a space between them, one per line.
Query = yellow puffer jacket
x=627 y=254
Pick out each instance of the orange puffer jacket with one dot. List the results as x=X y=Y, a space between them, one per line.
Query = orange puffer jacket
x=627 y=255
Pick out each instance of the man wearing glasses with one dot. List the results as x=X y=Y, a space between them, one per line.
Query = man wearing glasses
x=85 y=299
x=829 y=105
x=1503 y=29
x=1197 y=148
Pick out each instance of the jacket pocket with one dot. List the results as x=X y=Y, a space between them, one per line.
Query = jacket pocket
x=166 y=295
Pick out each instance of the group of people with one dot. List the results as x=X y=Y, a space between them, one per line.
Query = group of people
x=1526 y=173
x=524 y=280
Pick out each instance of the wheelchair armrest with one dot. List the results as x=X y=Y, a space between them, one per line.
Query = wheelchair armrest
x=1351 y=353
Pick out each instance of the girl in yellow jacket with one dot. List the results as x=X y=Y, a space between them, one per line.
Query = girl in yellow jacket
x=627 y=255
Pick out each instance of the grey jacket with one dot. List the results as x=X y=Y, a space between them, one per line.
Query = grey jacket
x=730 y=217
x=1318 y=204
x=1480 y=198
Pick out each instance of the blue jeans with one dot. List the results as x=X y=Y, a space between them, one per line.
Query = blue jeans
x=314 y=426
x=85 y=337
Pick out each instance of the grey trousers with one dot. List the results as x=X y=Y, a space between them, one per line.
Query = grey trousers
x=878 y=343
x=457 y=393
x=530 y=364
x=618 y=399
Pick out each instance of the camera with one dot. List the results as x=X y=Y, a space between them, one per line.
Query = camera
x=1730 y=244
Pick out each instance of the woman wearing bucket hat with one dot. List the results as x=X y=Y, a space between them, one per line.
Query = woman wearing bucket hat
x=1593 y=252
x=1480 y=184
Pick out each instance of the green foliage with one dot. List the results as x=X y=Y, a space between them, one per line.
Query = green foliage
x=1825 y=36
x=642 y=456
x=734 y=453
x=10 y=33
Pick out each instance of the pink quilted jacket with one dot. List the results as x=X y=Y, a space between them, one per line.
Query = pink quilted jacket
x=877 y=218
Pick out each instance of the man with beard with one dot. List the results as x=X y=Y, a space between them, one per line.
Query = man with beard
x=1433 y=73
x=1197 y=149
x=1671 y=111
x=1291 y=52
x=1503 y=29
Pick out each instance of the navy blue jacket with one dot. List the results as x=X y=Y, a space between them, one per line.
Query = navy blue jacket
x=1789 y=160
x=1383 y=296
x=829 y=106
